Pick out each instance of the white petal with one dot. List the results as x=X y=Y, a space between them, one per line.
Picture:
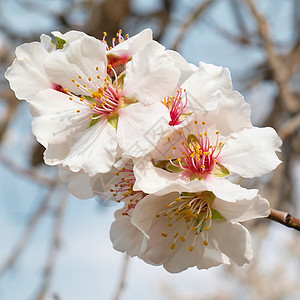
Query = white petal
x=132 y=45
x=94 y=151
x=69 y=36
x=202 y=85
x=79 y=184
x=227 y=190
x=212 y=257
x=80 y=58
x=150 y=75
x=56 y=118
x=125 y=236
x=232 y=239
x=251 y=152
x=243 y=210
x=27 y=75
x=140 y=127
x=158 y=249
x=186 y=69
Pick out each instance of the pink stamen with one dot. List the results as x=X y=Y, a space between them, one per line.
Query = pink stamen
x=176 y=105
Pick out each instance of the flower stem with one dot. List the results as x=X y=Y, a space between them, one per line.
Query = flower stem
x=284 y=218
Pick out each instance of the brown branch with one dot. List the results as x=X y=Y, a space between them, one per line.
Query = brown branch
x=284 y=218
x=122 y=282
x=189 y=22
x=27 y=233
x=27 y=173
x=54 y=247
x=281 y=73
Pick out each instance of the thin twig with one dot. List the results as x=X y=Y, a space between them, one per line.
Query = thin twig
x=284 y=218
x=54 y=248
x=122 y=281
x=27 y=233
x=281 y=73
x=26 y=172
x=190 y=21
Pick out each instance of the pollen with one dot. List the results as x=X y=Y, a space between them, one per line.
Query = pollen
x=172 y=246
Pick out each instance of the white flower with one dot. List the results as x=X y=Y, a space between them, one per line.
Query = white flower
x=98 y=111
x=199 y=88
x=201 y=155
x=192 y=229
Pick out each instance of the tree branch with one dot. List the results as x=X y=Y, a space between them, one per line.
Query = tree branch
x=284 y=218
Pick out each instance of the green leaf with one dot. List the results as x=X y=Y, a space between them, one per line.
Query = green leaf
x=220 y=171
x=192 y=140
x=113 y=120
x=94 y=121
x=59 y=43
x=208 y=196
x=216 y=215
x=174 y=169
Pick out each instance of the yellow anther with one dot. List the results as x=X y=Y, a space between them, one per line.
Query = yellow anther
x=97 y=68
x=78 y=85
x=169 y=157
x=79 y=77
x=205 y=243
x=182 y=238
x=182 y=143
x=217 y=132
x=164 y=234
x=209 y=216
x=188 y=206
x=170 y=224
x=124 y=213
x=98 y=76
x=207 y=228
x=172 y=246
x=78 y=110
x=203 y=123
x=169 y=139
x=66 y=90
x=90 y=79
x=205 y=133
x=109 y=66
x=176 y=235
x=187 y=226
x=195 y=122
x=174 y=148
x=169 y=205
x=157 y=216
x=165 y=214
x=180 y=132
x=178 y=159
x=178 y=199
x=105 y=33
x=193 y=228
x=170 y=218
x=70 y=98
x=84 y=85
x=191 y=248
x=91 y=117
x=73 y=80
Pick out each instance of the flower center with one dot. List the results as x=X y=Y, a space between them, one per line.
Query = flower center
x=102 y=102
x=123 y=190
x=176 y=105
x=118 y=62
x=192 y=214
x=197 y=155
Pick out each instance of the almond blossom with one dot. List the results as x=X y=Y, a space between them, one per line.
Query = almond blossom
x=95 y=112
x=214 y=145
x=194 y=229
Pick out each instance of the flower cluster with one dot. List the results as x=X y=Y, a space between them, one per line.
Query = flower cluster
x=137 y=124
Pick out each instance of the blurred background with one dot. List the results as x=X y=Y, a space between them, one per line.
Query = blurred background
x=56 y=247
